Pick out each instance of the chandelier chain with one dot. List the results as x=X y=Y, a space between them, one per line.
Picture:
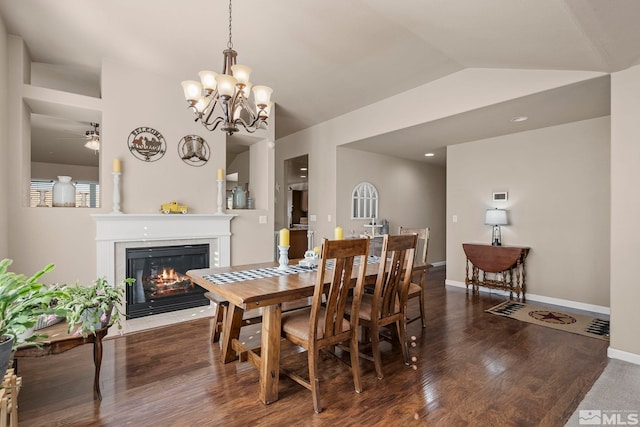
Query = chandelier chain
x=230 y=44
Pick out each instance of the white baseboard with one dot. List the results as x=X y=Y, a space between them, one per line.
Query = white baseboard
x=541 y=298
x=623 y=355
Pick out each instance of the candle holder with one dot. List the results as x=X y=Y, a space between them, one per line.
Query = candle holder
x=220 y=211
x=284 y=257
x=116 y=193
x=42 y=203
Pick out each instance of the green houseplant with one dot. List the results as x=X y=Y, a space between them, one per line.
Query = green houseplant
x=22 y=301
x=89 y=308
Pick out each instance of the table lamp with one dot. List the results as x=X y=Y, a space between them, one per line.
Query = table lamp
x=496 y=218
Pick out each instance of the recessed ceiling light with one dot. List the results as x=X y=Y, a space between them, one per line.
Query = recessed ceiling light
x=429 y=155
x=303 y=169
x=519 y=119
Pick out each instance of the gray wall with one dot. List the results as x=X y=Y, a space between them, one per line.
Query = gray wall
x=4 y=144
x=558 y=184
x=411 y=194
x=625 y=212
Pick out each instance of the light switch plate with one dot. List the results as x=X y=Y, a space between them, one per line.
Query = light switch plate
x=312 y=218
x=262 y=219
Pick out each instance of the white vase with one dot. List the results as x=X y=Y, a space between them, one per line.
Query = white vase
x=64 y=192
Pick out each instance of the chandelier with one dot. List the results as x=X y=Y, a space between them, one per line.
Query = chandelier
x=223 y=99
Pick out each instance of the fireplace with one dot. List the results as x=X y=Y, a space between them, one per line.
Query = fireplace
x=115 y=233
x=161 y=283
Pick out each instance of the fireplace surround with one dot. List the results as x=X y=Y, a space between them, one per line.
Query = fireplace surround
x=115 y=233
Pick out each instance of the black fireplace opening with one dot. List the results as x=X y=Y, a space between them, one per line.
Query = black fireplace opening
x=161 y=283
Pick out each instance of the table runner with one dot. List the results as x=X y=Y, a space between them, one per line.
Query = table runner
x=260 y=273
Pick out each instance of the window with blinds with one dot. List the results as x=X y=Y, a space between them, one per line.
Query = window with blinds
x=87 y=194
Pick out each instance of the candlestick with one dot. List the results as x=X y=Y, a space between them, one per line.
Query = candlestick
x=43 y=195
x=115 y=166
x=116 y=191
x=220 y=174
x=220 y=211
x=284 y=257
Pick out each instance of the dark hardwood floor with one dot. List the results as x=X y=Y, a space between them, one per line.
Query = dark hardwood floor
x=471 y=368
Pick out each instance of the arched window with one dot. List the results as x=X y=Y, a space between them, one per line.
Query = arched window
x=364 y=201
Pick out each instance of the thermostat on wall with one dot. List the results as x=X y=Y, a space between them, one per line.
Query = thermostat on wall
x=500 y=197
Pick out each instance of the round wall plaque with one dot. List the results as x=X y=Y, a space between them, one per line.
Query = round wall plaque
x=193 y=150
x=146 y=144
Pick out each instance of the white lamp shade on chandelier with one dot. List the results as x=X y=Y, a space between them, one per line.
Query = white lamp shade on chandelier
x=224 y=98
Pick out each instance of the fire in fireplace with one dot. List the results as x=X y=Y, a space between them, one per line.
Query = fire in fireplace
x=161 y=284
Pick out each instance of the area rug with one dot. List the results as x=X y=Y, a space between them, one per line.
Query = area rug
x=575 y=323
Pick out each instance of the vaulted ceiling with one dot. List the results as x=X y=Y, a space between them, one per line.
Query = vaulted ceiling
x=326 y=58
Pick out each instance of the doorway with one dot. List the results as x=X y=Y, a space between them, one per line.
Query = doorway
x=297 y=182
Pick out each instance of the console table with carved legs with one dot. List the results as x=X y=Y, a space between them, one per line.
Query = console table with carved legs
x=59 y=341
x=496 y=267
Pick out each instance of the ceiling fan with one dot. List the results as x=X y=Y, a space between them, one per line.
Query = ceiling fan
x=92 y=137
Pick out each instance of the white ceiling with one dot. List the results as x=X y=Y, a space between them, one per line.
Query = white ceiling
x=326 y=58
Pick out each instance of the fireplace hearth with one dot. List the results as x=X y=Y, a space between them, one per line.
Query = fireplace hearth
x=161 y=284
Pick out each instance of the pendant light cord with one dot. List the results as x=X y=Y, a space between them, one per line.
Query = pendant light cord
x=230 y=44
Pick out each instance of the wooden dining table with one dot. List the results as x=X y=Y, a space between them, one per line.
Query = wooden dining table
x=267 y=294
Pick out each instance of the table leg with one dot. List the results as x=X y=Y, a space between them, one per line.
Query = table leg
x=97 y=362
x=231 y=331
x=270 y=353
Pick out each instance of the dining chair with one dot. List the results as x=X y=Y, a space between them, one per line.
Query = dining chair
x=416 y=288
x=323 y=325
x=387 y=305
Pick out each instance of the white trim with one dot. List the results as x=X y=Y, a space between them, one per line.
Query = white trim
x=571 y=304
x=439 y=263
x=623 y=355
x=149 y=228
x=540 y=298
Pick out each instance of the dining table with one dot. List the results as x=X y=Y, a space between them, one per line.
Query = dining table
x=263 y=286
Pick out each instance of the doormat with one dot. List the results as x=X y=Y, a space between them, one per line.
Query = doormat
x=575 y=323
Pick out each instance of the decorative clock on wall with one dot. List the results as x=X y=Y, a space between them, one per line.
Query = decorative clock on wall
x=146 y=144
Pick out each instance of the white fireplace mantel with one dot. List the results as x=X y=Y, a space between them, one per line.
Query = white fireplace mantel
x=150 y=228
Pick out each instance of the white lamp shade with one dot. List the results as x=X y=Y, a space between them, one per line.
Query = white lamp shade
x=208 y=79
x=202 y=104
x=241 y=73
x=192 y=89
x=226 y=84
x=262 y=95
x=93 y=144
x=496 y=217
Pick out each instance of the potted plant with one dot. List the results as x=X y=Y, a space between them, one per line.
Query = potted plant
x=93 y=307
x=22 y=301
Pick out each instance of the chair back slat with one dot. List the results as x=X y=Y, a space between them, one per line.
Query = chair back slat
x=394 y=276
x=333 y=286
x=422 y=246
